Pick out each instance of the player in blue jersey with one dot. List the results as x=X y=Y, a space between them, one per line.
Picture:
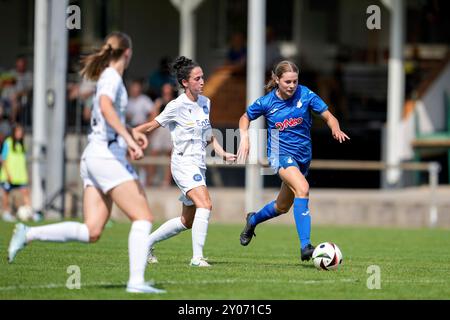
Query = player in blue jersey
x=287 y=108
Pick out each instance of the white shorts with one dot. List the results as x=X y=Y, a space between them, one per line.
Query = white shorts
x=106 y=173
x=188 y=177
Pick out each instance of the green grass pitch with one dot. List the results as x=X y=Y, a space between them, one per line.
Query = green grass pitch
x=414 y=264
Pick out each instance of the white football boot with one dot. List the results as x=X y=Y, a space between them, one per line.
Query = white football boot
x=18 y=241
x=143 y=288
x=199 y=262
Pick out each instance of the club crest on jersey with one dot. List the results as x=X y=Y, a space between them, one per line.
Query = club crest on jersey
x=205 y=110
x=197 y=177
x=299 y=104
x=291 y=122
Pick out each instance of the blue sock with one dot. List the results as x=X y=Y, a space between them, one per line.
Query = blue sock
x=302 y=221
x=266 y=213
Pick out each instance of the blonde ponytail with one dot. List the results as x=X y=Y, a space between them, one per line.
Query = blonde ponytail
x=115 y=45
x=271 y=84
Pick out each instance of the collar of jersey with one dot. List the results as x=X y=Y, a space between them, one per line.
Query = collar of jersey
x=186 y=100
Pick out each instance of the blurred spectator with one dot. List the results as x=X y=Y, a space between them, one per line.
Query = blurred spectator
x=16 y=86
x=160 y=143
x=237 y=53
x=273 y=53
x=140 y=108
x=159 y=77
x=139 y=105
x=5 y=127
x=14 y=173
x=83 y=92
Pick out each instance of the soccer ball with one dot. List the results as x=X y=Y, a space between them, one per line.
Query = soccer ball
x=327 y=256
x=25 y=213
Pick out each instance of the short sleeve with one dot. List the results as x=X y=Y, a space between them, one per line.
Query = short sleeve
x=169 y=114
x=317 y=104
x=255 y=110
x=5 y=150
x=108 y=85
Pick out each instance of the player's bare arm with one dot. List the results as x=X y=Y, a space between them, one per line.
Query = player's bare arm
x=244 y=145
x=333 y=124
x=220 y=152
x=108 y=111
x=148 y=127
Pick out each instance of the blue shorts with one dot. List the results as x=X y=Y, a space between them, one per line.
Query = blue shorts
x=288 y=161
x=8 y=187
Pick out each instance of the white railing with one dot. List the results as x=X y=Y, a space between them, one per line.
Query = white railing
x=432 y=168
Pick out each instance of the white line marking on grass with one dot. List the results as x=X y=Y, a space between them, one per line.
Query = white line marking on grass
x=218 y=281
x=58 y=286
x=175 y=282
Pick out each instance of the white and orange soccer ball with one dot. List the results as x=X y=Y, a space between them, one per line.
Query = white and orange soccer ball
x=327 y=256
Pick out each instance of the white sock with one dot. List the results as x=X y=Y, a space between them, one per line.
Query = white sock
x=59 y=232
x=138 y=250
x=167 y=230
x=199 y=231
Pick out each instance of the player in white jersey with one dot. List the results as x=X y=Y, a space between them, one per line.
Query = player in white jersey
x=187 y=118
x=107 y=175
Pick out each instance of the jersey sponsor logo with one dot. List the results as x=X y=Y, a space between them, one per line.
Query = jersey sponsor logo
x=291 y=122
x=205 y=110
x=197 y=177
x=203 y=123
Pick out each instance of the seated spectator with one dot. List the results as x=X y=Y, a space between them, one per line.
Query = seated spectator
x=16 y=88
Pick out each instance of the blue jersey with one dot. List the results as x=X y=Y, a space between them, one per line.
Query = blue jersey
x=291 y=119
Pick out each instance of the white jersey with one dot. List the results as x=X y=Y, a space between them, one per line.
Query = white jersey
x=189 y=126
x=103 y=138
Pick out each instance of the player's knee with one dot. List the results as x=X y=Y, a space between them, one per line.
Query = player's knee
x=206 y=204
x=302 y=190
x=187 y=222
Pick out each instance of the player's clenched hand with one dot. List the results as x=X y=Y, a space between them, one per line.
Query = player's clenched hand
x=229 y=157
x=140 y=138
x=135 y=151
x=243 y=150
x=340 y=136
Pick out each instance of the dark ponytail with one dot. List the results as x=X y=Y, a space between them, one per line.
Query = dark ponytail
x=182 y=67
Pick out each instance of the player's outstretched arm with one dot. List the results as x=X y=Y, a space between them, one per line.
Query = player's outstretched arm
x=147 y=127
x=222 y=153
x=333 y=124
x=244 y=146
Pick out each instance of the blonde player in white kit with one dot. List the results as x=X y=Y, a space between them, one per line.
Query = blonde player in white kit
x=106 y=173
x=187 y=118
